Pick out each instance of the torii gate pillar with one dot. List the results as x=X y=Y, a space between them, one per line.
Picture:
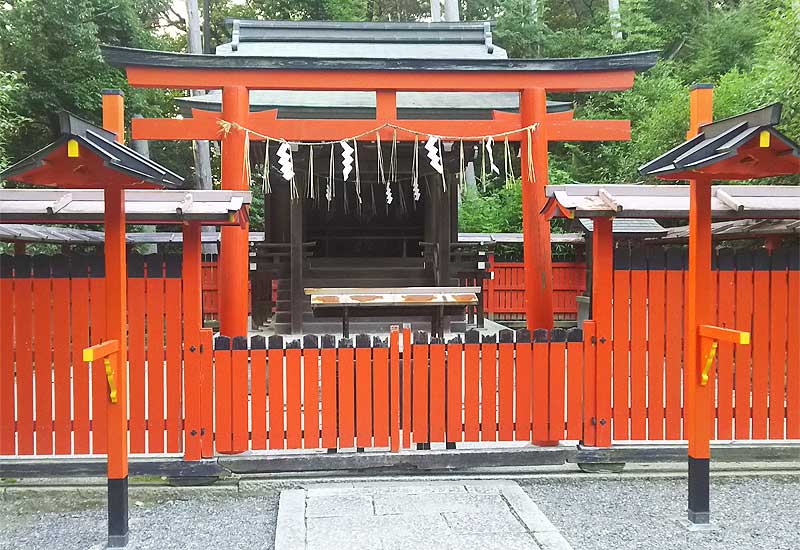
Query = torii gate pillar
x=535 y=227
x=234 y=258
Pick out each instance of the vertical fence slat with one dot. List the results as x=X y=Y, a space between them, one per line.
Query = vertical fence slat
x=621 y=343
x=206 y=395
x=173 y=313
x=541 y=385
x=523 y=386
x=137 y=297
x=674 y=342
x=455 y=377
x=7 y=382
x=419 y=381
x=380 y=401
x=239 y=394
x=589 y=383
x=656 y=313
x=472 y=358
x=505 y=385
x=489 y=390
x=437 y=392
x=742 y=375
x=638 y=355
x=760 y=342
x=793 y=350
x=61 y=357
x=777 y=344
x=406 y=388
x=311 y=427
x=275 y=357
x=363 y=391
x=23 y=333
x=79 y=320
x=557 y=358
x=328 y=360
x=222 y=394
x=346 y=397
x=155 y=352
x=294 y=420
x=394 y=386
x=97 y=327
x=258 y=393
x=726 y=293
x=574 y=383
x=43 y=354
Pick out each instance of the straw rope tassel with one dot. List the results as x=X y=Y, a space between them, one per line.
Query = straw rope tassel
x=441 y=160
x=267 y=187
x=329 y=187
x=358 y=172
x=415 y=172
x=310 y=190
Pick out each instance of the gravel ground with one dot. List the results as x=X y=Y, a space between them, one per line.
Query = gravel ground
x=619 y=514
x=215 y=522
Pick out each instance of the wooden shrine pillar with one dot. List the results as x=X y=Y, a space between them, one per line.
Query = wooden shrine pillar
x=602 y=277
x=535 y=228
x=234 y=260
x=296 y=263
x=116 y=330
x=192 y=325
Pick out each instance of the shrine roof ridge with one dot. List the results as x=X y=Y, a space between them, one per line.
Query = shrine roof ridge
x=123 y=57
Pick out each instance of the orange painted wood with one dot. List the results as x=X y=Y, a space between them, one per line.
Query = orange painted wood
x=173 y=317
x=589 y=383
x=155 y=360
x=743 y=354
x=488 y=392
x=602 y=313
x=621 y=345
x=524 y=390
x=61 y=367
x=793 y=358
x=136 y=362
x=505 y=396
x=656 y=323
x=7 y=378
x=97 y=289
x=79 y=322
x=240 y=435
x=311 y=427
x=541 y=388
x=364 y=397
x=275 y=359
x=760 y=344
x=472 y=366
x=206 y=394
x=258 y=399
x=406 y=413
x=294 y=415
x=346 y=398
x=222 y=397
x=557 y=413
x=674 y=347
x=727 y=307
x=380 y=403
x=455 y=365
x=638 y=356
x=420 y=382
x=437 y=393
x=43 y=364
x=328 y=360
x=574 y=389
x=394 y=386
x=779 y=296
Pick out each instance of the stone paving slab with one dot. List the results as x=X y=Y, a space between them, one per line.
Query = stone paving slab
x=448 y=515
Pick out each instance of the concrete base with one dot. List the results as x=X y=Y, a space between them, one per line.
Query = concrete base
x=696 y=527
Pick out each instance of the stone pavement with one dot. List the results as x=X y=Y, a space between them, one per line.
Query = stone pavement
x=446 y=515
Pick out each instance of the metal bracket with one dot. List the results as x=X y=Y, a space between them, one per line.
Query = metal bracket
x=112 y=382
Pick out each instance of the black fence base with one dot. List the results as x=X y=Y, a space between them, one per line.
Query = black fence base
x=118 y=513
x=699 y=490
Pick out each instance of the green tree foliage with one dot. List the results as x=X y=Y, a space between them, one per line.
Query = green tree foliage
x=11 y=90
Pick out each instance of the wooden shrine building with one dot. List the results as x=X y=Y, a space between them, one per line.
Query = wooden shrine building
x=293 y=92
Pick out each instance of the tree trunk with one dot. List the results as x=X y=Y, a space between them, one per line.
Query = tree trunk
x=451 y=10
x=436 y=11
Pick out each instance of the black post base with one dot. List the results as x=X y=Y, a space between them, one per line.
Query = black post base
x=699 y=490
x=118 y=513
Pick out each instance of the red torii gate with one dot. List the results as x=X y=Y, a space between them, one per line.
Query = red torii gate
x=236 y=75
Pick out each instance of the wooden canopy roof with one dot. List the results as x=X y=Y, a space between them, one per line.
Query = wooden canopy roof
x=88 y=157
x=743 y=147
x=670 y=201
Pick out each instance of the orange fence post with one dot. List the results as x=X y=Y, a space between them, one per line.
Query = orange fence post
x=192 y=324
x=7 y=417
x=602 y=292
x=207 y=392
x=589 y=384
x=394 y=388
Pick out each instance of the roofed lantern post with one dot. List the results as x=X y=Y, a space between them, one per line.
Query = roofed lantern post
x=116 y=330
x=234 y=252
